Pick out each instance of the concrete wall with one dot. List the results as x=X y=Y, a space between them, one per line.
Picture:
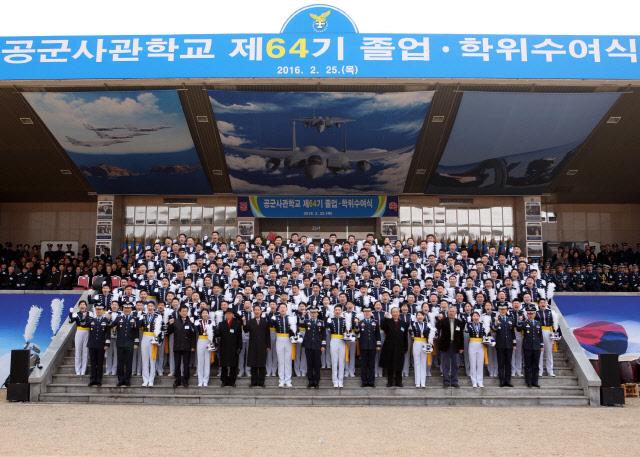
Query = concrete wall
x=600 y=223
x=35 y=222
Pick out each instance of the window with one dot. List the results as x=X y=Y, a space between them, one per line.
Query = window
x=495 y=223
x=145 y=224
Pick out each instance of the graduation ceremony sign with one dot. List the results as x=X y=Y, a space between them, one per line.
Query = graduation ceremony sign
x=319 y=41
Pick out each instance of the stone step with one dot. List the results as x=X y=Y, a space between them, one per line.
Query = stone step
x=436 y=391
x=560 y=371
x=325 y=381
x=320 y=400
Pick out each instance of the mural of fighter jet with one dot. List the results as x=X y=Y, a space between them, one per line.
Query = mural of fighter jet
x=147 y=129
x=101 y=129
x=115 y=136
x=95 y=144
x=321 y=123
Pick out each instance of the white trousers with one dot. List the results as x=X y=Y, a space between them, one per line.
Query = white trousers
x=160 y=359
x=350 y=367
x=111 y=356
x=378 y=367
x=546 y=355
x=337 y=361
x=243 y=368
x=172 y=363
x=476 y=362
x=148 y=364
x=300 y=363
x=82 y=351
x=493 y=362
x=516 y=358
x=203 y=361
x=283 y=348
x=419 y=364
x=466 y=353
x=272 y=356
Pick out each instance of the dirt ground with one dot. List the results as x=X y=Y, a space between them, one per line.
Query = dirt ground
x=114 y=430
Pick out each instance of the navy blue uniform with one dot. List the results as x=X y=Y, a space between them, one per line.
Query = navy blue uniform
x=314 y=340
x=370 y=341
x=127 y=335
x=505 y=341
x=99 y=331
x=531 y=345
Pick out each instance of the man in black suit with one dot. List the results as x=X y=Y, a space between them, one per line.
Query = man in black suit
x=184 y=343
x=229 y=331
x=394 y=347
x=450 y=344
x=259 y=344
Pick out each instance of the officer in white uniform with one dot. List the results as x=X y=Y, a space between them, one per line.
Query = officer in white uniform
x=82 y=319
x=285 y=328
x=151 y=324
x=337 y=328
x=204 y=328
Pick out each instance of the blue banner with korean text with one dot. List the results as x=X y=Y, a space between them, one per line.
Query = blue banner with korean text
x=338 y=206
x=325 y=55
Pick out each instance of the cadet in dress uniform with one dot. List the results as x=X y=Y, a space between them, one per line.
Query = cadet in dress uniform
x=300 y=362
x=151 y=325
x=82 y=319
x=421 y=334
x=259 y=345
x=98 y=334
x=204 y=328
x=394 y=347
x=476 y=332
x=351 y=322
x=184 y=343
x=272 y=356
x=229 y=331
x=112 y=349
x=337 y=328
x=285 y=328
x=368 y=331
x=504 y=328
x=126 y=340
x=532 y=343
x=314 y=344
x=545 y=317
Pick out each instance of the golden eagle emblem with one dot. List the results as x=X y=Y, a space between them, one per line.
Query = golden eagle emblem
x=320 y=20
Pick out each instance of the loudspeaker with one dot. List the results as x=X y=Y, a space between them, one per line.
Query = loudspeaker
x=19 y=373
x=18 y=392
x=609 y=370
x=611 y=396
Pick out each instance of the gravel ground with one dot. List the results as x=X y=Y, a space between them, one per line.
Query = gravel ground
x=51 y=429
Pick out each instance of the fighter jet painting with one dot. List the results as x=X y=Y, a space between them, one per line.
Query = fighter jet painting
x=125 y=142
x=321 y=123
x=362 y=143
x=513 y=143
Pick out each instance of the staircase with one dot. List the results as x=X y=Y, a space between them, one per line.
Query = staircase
x=563 y=390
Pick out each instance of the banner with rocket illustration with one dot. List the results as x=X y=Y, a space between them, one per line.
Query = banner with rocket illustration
x=30 y=321
x=604 y=323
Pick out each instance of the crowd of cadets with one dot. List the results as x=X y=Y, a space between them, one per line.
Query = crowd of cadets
x=614 y=268
x=320 y=306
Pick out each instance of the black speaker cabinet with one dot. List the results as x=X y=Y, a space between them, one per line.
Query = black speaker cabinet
x=19 y=373
x=609 y=370
x=612 y=396
x=18 y=392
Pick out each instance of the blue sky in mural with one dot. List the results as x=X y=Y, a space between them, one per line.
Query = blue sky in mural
x=134 y=142
x=378 y=132
x=506 y=143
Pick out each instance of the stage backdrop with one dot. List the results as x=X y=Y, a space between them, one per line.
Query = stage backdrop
x=30 y=321
x=604 y=324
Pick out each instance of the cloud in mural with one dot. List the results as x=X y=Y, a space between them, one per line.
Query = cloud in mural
x=112 y=122
x=330 y=142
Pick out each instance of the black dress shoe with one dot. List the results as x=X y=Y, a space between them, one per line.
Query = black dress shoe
x=508 y=384
x=457 y=386
x=119 y=384
x=176 y=384
x=389 y=384
x=309 y=385
x=536 y=385
x=446 y=386
x=127 y=384
x=529 y=385
x=99 y=384
x=502 y=384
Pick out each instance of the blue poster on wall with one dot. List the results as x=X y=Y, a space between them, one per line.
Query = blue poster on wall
x=30 y=321
x=603 y=324
x=339 y=206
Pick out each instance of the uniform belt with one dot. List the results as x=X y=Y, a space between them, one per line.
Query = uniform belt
x=203 y=337
x=337 y=336
x=420 y=339
x=548 y=328
x=271 y=329
x=475 y=340
x=282 y=335
x=82 y=328
x=148 y=334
